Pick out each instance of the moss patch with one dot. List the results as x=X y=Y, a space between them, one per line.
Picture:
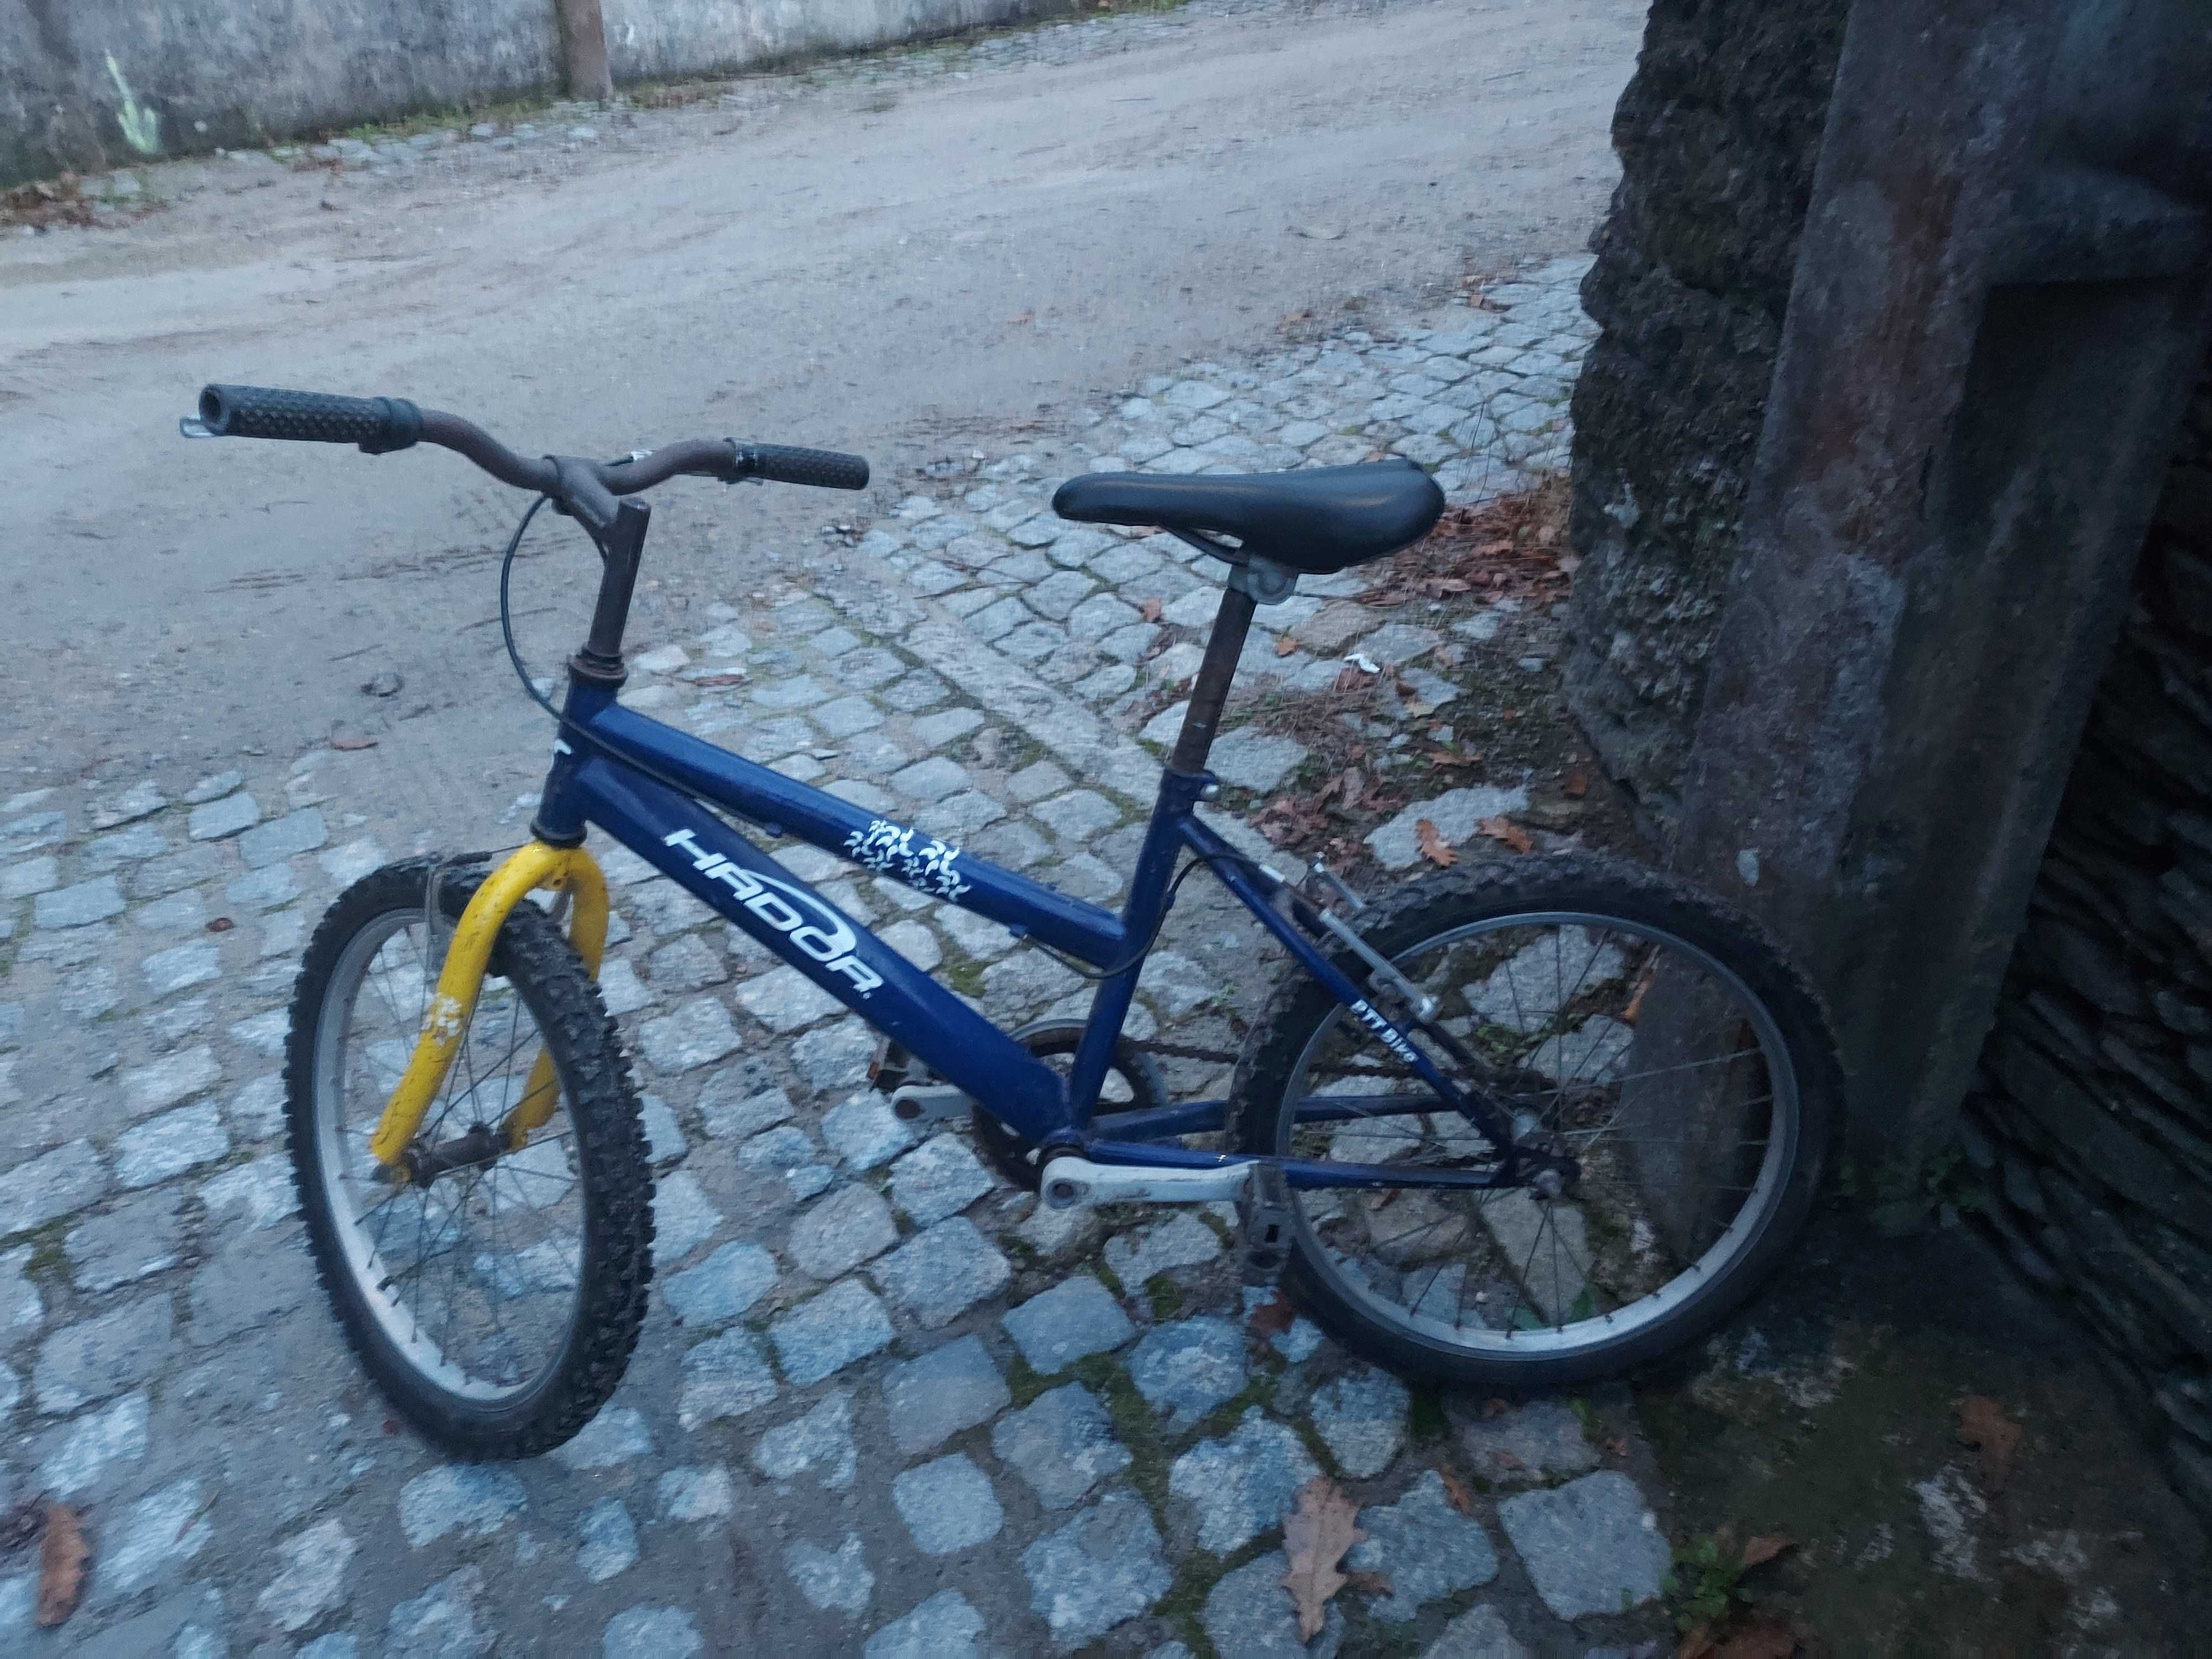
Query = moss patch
x=1425 y=1422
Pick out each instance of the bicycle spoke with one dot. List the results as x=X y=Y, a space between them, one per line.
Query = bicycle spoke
x=474 y=1272
x=1545 y=1039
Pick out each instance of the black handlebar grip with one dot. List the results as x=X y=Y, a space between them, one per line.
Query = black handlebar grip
x=379 y=425
x=823 y=469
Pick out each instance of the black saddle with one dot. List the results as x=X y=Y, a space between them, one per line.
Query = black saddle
x=1317 y=519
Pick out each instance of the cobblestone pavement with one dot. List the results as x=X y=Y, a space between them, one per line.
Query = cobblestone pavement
x=880 y=1405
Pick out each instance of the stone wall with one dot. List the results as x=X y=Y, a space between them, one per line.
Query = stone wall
x=88 y=84
x=2094 y=1122
x=1717 y=133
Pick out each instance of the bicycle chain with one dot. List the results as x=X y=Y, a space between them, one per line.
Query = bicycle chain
x=1225 y=1057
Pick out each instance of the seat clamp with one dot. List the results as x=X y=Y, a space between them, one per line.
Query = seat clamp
x=1263 y=581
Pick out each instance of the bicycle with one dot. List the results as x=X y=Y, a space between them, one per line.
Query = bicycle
x=1515 y=1125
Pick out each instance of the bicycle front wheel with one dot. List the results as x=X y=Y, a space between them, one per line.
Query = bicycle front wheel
x=496 y=1299
x=1619 y=1017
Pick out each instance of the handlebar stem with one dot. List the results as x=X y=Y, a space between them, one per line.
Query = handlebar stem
x=600 y=661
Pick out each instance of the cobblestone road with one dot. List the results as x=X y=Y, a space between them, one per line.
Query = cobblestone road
x=879 y=1406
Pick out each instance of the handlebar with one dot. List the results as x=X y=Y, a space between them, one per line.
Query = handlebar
x=380 y=426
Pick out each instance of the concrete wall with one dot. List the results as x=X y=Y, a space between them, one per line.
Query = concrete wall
x=653 y=40
x=2087 y=1130
x=87 y=84
x=1717 y=133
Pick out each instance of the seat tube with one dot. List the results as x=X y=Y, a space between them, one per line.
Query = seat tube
x=1215 y=672
x=1148 y=887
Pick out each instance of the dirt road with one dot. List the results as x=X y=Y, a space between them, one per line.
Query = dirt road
x=894 y=264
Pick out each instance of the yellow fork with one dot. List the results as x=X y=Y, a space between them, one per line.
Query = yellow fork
x=467 y=955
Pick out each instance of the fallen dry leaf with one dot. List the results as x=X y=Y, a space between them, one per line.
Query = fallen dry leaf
x=1432 y=845
x=710 y=682
x=1150 y=610
x=1494 y=1407
x=1636 y=1002
x=1510 y=833
x=221 y=925
x=1273 y=1318
x=1577 y=786
x=1457 y=1489
x=1285 y=645
x=1761 y=1637
x=1765 y=1547
x=349 y=740
x=1317 y=1532
x=62 y=1555
x=1616 y=1446
x=1984 y=1426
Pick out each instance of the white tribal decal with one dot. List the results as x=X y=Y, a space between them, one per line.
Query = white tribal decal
x=890 y=848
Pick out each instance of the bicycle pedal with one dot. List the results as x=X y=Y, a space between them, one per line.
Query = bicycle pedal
x=929 y=1103
x=1263 y=1220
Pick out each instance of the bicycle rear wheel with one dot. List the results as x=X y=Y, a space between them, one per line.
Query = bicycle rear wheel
x=496 y=1304
x=1621 y=1018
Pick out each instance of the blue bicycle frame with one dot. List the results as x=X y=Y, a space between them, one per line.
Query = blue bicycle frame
x=609 y=771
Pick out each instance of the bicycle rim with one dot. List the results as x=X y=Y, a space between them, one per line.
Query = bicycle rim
x=474 y=1281
x=1642 y=1054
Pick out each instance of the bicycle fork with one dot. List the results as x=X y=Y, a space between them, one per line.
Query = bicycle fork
x=537 y=866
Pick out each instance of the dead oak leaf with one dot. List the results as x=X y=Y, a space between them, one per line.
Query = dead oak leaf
x=1629 y=1015
x=62 y=1554
x=1761 y=1637
x=1285 y=645
x=1765 y=1547
x=1455 y=1490
x=1317 y=1532
x=1577 y=786
x=1432 y=845
x=1504 y=830
x=1271 y=1318
x=1150 y=610
x=1984 y=1426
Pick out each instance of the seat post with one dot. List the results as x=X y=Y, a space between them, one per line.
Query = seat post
x=1223 y=649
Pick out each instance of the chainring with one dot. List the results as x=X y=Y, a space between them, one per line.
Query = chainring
x=1009 y=1152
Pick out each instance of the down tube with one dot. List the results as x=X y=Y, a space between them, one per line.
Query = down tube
x=692 y=847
